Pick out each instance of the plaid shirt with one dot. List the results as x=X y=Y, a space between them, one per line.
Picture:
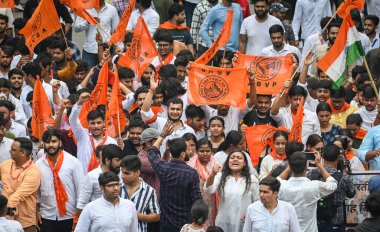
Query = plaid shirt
x=179 y=190
x=120 y=6
x=199 y=15
x=345 y=189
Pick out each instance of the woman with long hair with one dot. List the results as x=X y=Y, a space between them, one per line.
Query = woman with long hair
x=237 y=189
x=328 y=130
x=216 y=134
x=314 y=143
x=277 y=156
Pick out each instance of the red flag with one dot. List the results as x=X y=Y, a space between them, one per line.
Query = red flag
x=98 y=96
x=271 y=72
x=42 y=115
x=89 y=4
x=43 y=23
x=79 y=8
x=142 y=50
x=219 y=42
x=119 y=33
x=296 y=132
x=7 y=3
x=211 y=85
x=116 y=120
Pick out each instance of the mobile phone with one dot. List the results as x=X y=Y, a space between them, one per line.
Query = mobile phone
x=310 y=155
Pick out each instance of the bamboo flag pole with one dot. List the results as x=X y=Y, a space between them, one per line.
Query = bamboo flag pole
x=370 y=77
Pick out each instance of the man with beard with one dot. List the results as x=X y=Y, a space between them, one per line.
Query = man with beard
x=317 y=38
x=279 y=11
x=5 y=94
x=216 y=19
x=110 y=212
x=132 y=145
x=164 y=41
x=89 y=188
x=174 y=109
x=134 y=101
x=279 y=47
x=74 y=84
x=370 y=24
x=340 y=108
x=181 y=62
x=88 y=142
x=254 y=34
x=64 y=65
x=179 y=183
x=324 y=90
x=16 y=78
x=6 y=57
x=61 y=175
x=5 y=143
x=174 y=25
x=4 y=38
x=7 y=110
x=369 y=111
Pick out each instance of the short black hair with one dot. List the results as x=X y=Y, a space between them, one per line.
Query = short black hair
x=293 y=146
x=324 y=21
x=7 y=104
x=110 y=152
x=43 y=59
x=145 y=3
x=338 y=93
x=142 y=89
x=19 y=23
x=32 y=69
x=330 y=152
x=190 y=136
x=128 y=37
x=181 y=61
x=81 y=66
x=163 y=35
x=333 y=24
x=193 y=111
x=256 y=1
x=297 y=162
x=214 y=229
x=275 y=29
x=25 y=144
x=15 y=71
x=369 y=92
x=325 y=84
x=48 y=134
x=175 y=101
x=137 y=123
x=59 y=44
x=296 y=90
x=94 y=114
x=373 y=18
x=323 y=106
x=272 y=182
x=125 y=73
x=372 y=203
x=131 y=163
x=108 y=177
x=3 y=204
x=8 y=50
x=4 y=17
x=175 y=9
x=5 y=83
x=354 y=119
x=177 y=146
x=358 y=69
x=168 y=70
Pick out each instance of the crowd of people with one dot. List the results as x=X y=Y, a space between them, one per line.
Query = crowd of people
x=177 y=166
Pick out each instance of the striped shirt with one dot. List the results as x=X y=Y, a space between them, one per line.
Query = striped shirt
x=145 y=199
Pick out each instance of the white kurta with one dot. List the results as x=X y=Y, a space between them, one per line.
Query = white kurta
x=233 y=202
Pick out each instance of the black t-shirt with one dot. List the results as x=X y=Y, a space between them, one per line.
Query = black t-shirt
x=251 y=118
x=182 y=36
x=129 y=148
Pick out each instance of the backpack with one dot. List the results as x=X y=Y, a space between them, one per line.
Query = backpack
x=326 y=210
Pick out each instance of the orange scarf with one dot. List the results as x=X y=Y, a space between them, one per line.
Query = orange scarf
x=275 y=156
x=157 y=109
x=167 y=60
x=201 y=170
x=168 y=25
x=60 y=191
x=93 y=161
x=361 y=134
x=345 y=107
x=350 y=155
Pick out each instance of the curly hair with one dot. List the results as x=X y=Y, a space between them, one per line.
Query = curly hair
x=227 y=172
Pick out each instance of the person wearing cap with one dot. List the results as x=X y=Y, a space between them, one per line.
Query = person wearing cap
x=148 y=137
x=278 y=10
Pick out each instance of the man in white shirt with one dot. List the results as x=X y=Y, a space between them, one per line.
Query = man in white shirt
x=61 y=174
x=108 y=18
x=254 y=30
x=88 y=142
x=368 y=111
x=24 y=57
x=307 y=15
x=279 y=47
x=5 y=224
x=150 y=16
x=5 y=143
x=284 y=115
x=111 y=156
x=303 y=193
x=370 y=24
x=6 y=57
x=5 y=94
x=271 y=214
x=7 y=109
x=164 y=41
x=110 y=212
x=317 y=38
x=373 y=8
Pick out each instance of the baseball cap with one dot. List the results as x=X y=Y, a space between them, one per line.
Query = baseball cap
x=275 y=7
x=149 y=134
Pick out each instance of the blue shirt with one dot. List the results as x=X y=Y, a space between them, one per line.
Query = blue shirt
x=216 y=18
x=374 y=184
x=371 y=142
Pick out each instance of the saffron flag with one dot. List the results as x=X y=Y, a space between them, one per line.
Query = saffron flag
x=116 y=120
x=219 y=42
x=296 y=131
x=120 y=30
x=212 y=85
x=7 y=3
x=346 y=7
x=79 y=8
x=98 y=96
x=347 y=49
x=43 y=23
x=142 y=50
x=42 y=115
x=89 y=4
x=270 y=72
x=258 y=138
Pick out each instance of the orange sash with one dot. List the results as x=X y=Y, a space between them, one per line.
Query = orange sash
x=93 y=161
x=345 y=107
x=60 y=191
x=361 y=134
x=350 y=155
x=276 y=156
x=168 y=25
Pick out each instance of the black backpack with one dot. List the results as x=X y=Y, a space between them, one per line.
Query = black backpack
x=326 y=210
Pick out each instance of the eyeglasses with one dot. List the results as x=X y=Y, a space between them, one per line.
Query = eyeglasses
x=117 y=185
x=340 y=137
x=319 y=149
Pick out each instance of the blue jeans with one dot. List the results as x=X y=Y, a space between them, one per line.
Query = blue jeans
x=189 y=10
x=328 y=227
x=90 y=58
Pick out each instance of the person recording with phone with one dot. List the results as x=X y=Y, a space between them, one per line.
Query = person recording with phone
x=5 y=224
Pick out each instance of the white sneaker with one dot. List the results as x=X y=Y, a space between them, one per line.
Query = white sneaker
x=19 y=7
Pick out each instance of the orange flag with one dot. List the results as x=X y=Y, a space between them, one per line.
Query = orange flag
x=258 y=138
x=79 y=8
x=98 y=96
x=43 y=23
x=296 y=131
x=116 y=120
x=346 y=7
x=7 y=3
x=271 y=72
x=211 y=85
x=219 y=42
x=142 y=51
x=120 y=30
x=89 y=4
x=42 y=115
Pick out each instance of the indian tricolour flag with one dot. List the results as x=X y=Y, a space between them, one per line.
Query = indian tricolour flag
x=346 y=50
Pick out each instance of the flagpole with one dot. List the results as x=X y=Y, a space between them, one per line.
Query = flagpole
x=64 y=38
x=370 y=77
x=105 y=32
